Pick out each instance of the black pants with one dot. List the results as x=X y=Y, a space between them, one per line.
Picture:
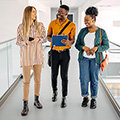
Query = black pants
x=60 y=59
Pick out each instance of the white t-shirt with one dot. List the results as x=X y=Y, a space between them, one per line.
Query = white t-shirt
x=89 y=42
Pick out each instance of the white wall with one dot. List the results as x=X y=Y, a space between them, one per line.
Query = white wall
x=79 y=18
x=106 y=19
x=10 y=16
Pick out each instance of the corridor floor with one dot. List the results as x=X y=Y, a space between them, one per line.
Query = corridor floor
x=11 y=109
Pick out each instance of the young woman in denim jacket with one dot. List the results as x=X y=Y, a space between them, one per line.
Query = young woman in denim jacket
x=88 y=45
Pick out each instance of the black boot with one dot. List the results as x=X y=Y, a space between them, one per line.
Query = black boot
x=25 y=108
x=54 y=98
x=63 y=103
x=37 y=103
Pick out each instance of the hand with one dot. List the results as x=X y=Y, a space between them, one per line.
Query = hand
x=93 y=50
x=66 y=42
x=86 y=49
x=28 y=42
x=35 y=40
x=49 y=39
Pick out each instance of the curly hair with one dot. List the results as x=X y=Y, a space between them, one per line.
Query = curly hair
x=92 y=11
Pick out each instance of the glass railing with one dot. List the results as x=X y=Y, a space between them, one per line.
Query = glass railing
x=111 y=75
x=9 y=65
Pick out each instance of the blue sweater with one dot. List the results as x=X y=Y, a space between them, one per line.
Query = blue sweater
x=104 y=46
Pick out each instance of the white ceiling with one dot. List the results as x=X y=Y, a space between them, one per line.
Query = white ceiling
x=79 y=3
x=109 y=3
x=56 y=3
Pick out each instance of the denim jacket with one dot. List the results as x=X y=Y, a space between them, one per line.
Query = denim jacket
x=101 y=48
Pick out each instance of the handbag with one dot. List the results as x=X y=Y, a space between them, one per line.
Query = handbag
x=104 y=63
x=50 y=51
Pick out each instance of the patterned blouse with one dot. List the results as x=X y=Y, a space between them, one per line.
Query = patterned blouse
x=31 y=54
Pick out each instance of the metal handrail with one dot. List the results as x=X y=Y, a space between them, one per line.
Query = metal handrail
x=7 y=41
x=113 y=52
x=114 y=44
x=106 y=89
x=116 y=51
x=110 y=96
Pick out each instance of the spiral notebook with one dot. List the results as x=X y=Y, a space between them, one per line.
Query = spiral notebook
x=56 y=40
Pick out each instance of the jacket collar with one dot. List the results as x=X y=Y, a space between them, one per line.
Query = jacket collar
x=95 y=31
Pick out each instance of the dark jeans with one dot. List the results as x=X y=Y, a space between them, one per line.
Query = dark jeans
x=60 y=59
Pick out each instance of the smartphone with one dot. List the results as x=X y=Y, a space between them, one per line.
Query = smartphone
x=31 y=38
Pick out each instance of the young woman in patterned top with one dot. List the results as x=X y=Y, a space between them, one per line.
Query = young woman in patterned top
x=30 y=36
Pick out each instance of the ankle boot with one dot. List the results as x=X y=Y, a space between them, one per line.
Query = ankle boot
x=54 y=98
x=25 y=108
x=37 y=103
x=63 y=103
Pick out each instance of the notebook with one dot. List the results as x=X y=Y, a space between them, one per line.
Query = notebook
x=56 y=40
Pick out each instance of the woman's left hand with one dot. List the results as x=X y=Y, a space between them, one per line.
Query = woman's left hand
x=93 y=50
x=35 y=40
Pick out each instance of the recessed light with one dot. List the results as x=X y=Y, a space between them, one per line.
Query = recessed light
x=105 y=5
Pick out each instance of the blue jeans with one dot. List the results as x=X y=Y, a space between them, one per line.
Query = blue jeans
x=89 y=72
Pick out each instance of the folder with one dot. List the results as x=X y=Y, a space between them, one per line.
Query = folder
x=56 y=40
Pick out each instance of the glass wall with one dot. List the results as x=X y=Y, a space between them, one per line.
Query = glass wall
x=109 y=19
x=111 y=74
x=9 y=65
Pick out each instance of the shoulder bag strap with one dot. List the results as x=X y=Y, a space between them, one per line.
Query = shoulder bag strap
x=64 y=28
x=100 y=43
